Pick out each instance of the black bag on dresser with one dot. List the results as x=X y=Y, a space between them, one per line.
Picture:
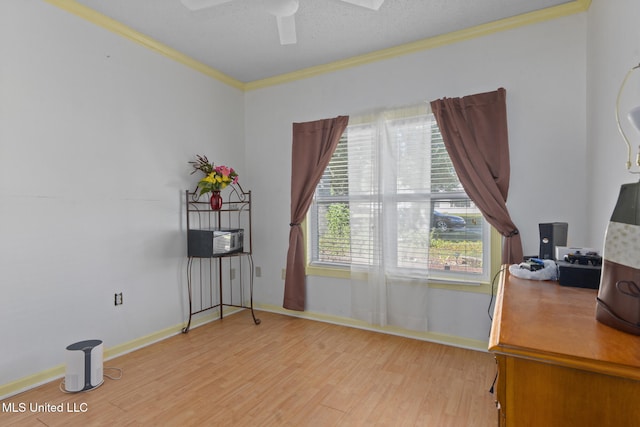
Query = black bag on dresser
x=618 y=303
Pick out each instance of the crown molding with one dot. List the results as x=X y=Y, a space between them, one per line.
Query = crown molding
x=429 y=43
x=529 y=18
x=116 y=27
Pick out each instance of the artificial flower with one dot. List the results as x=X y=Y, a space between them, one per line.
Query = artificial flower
x=217 y=177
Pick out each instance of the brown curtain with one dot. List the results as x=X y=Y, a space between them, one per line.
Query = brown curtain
x=313 y=146
x=474 y=129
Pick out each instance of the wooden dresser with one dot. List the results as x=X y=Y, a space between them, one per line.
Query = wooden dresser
x=557 y=365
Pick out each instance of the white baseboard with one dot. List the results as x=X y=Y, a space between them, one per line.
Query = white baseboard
x=467 y=343
x=40 y=378
x=56 y=372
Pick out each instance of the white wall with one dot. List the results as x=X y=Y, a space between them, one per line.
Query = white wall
x=614 y=48
x=95 y=135
x=542 y=66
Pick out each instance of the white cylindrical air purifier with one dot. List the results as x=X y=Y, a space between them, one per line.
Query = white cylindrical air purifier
x=84 y=365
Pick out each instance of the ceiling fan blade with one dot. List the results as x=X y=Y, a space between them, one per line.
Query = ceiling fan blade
x=281 y=7
x=287 y=29
x=202 y=4
x=369 y=4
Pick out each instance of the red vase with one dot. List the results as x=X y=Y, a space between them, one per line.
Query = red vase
x=216 y=201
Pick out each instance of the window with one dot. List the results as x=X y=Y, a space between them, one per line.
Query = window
x=397 y=165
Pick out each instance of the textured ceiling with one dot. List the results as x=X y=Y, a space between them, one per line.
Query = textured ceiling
x=240 y=38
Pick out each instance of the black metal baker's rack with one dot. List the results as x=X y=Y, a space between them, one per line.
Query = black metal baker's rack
x=226 y=279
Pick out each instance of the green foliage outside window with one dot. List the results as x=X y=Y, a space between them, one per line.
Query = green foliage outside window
x=335 y=242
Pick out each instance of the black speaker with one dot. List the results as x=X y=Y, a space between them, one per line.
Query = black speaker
x=579 y=275
x=552 y=234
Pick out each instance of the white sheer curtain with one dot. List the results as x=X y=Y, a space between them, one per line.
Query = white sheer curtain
x=390 y=216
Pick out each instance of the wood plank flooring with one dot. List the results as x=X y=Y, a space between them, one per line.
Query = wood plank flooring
x=284 y=372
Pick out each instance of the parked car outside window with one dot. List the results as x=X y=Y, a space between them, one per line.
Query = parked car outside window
x=445 y=222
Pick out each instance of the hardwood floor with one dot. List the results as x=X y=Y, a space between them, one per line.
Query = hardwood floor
x=283 y=372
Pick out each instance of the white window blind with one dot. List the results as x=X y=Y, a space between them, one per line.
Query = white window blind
x=430 y=221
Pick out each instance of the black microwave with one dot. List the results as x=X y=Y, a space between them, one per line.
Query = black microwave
x=207 y=243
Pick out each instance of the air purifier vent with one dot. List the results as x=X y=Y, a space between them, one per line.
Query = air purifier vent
x=84 y=365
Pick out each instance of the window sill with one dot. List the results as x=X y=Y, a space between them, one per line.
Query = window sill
x=328 y=271
x=438 y=283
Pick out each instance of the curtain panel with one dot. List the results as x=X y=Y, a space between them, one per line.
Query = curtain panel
x=474 y=130
x=312 y=147
x=384 y=292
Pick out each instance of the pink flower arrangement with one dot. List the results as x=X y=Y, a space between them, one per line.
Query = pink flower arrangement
x=217 y=177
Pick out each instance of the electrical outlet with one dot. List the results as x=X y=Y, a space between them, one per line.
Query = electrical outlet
x=284 y=273
x=258 y=271
x=117 y=299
